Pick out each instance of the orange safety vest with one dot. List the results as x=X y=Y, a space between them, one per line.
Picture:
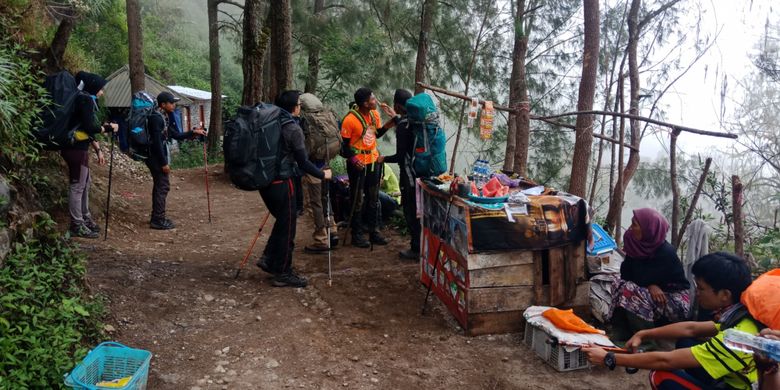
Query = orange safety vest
x=366 y=152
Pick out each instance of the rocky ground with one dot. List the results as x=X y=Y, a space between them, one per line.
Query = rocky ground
x=173 y=293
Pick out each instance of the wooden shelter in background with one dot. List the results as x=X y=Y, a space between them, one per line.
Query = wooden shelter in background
x=199 y=111
x=117 y=92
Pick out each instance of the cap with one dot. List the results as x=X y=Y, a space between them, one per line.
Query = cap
x=166 y=97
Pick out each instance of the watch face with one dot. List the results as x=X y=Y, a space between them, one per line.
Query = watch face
x=609 y=361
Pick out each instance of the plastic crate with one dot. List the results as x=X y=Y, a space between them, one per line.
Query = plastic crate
x=602 y=242
x=110 y=361
x=536 y=339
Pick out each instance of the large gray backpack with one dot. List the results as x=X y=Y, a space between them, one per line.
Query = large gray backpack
x=321 y=129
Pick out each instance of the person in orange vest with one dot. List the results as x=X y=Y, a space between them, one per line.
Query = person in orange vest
x=360 y=130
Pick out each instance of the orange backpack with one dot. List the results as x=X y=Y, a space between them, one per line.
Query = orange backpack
x=762 y=300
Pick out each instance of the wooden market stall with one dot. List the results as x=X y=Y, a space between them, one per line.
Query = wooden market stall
x=489 y=268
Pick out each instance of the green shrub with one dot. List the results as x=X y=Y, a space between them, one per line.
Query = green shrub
x=190 y=155
x=47 y=320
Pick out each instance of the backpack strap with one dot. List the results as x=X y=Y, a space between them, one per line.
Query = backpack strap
x=354 y=111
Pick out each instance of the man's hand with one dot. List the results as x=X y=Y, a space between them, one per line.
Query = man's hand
x=634 y=342
x=380 y=159
x=199 y=131
x=356 y=161
x=595 y=355
x=387 y=109
x=114 y=127
x=100 y=158
x=328 y=173
x=166 y=169
x=658 y=295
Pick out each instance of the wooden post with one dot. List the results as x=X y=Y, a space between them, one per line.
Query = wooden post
x=739 y=230
x=694 y=200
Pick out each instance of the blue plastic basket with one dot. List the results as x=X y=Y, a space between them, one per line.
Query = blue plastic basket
x=602 y=241
x=110 y=361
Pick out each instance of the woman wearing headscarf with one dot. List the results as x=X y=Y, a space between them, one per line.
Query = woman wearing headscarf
x=652 y=285
x=76 y=155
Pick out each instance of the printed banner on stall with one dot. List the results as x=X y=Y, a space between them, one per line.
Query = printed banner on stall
x=448 y=277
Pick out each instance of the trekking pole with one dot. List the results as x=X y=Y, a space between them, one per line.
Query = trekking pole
x=453 y=186
x=206 y=170
x=108 y=197
x=251 y=246
x=327 y=210
x=378 y=205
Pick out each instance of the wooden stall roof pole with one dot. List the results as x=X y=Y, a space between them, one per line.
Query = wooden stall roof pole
x=549 y=118
x=507 y=109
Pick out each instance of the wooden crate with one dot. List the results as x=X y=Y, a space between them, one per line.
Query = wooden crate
x=488 y=292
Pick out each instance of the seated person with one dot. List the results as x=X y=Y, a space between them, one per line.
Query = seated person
x=720 y=280
x=652 y=285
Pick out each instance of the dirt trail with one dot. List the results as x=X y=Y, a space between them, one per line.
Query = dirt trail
x=173 y=293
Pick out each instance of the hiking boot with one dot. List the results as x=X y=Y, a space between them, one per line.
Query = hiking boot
x=409 y=255
x=377 y=239
x=334 y=242
x=290 y=279
x=315 y=249
x=81 y=230
x=359 y=241
x=263 y=264
x=162 y=224
x=91 y=225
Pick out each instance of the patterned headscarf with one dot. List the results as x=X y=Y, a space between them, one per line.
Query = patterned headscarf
x=654 y=228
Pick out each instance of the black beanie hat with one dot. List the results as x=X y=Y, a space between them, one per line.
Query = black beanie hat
x=92 y=82
x=362 y=95
x=401 y=96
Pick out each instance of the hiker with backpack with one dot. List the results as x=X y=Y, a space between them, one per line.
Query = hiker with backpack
x=83 y=121
x=322 y=139
x=359 y=131
x=702 y=360
x=404 y=151
x=279 y=194
x=159 y=128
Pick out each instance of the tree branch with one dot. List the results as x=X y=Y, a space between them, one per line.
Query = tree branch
x=231 y=3
x=655 y=13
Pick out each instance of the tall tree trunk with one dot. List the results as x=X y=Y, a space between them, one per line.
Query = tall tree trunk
x=281 y=47
x=313 y=73
x=135 y=46
x=519 y=126
x=584 y=124
x=426 y=21
x=739 y=230
x=215 y=120
x=675 y=188
x=616 y=205
x=254 y=40
x=60 y=42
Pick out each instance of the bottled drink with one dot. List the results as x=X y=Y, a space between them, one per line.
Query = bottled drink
x=749 y=343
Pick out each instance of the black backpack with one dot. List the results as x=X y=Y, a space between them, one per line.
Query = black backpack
x=54 y=132
x=142 y=108
x=252 y=146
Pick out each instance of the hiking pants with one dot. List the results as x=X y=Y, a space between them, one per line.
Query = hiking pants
x=367 y=207
x=409 y=204
x=279 y=199
x=314 y=193
x=79 y=181
x=161 y=186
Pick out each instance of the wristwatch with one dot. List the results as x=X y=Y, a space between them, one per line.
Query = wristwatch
x=609 y=361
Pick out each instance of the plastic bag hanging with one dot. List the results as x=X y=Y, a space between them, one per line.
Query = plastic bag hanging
x=473 y=110
x=486 y=121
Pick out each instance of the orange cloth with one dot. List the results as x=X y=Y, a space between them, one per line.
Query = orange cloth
x=365 y=143
x=761 y=299
x=567 y=320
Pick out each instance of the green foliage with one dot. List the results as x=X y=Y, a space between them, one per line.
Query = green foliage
x=47 y=320
x=20 y=93
x=766 y=250
x=190 y=155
